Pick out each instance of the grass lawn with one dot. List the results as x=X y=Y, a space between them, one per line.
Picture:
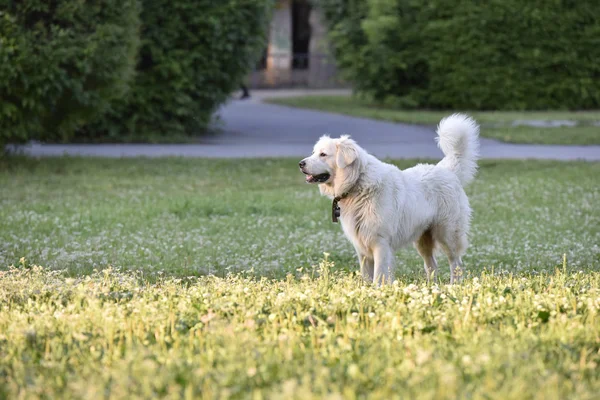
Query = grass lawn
x=202 y=278
x=496 y=124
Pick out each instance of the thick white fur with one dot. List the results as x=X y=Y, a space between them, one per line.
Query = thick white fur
x=387 y=208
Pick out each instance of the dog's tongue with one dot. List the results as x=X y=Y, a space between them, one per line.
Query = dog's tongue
x=309 y=178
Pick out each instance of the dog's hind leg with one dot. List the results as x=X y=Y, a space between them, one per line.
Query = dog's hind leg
x=425 y=246
x=454 y=247
x=384 y=263
x=456 y=270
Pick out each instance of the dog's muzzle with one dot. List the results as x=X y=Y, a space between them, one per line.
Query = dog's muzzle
x=313 y=178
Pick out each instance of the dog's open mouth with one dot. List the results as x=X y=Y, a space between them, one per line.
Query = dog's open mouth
x=317 y=178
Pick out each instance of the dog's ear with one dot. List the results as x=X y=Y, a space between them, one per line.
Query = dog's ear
x=346 y=152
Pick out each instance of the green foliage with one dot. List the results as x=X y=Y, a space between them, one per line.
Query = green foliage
x=93 y=70
x=193 y=55
x=61 y=63
x=472 y=55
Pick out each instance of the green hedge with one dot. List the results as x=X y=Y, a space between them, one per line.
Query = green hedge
x=108 y=70
x=498 y=54
x=62 y=62
x=194 y=53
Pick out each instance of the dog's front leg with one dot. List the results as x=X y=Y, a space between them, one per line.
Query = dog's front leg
x=367 y=266
x=384 y=263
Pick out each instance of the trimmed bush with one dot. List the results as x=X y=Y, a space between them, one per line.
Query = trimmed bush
x=443 y=54
x=194 y=53
x=62 y=62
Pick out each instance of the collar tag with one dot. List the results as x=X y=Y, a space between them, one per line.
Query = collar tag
x=335 y=209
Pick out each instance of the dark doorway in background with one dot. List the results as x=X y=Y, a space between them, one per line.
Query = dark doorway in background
x=300 y=33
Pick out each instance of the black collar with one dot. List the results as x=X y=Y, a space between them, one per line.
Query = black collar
x=335 y=209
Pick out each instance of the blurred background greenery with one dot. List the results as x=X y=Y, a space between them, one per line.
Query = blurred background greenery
x=156 y=70
x=107 y=70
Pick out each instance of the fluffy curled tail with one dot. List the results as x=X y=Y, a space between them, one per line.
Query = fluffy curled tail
x=458 y=137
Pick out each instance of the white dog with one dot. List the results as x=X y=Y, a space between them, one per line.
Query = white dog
x=382 y=208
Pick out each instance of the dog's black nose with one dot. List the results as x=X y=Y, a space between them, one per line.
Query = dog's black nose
x=302 y=164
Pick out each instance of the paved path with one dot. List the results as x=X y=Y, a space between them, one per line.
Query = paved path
x=252 y=128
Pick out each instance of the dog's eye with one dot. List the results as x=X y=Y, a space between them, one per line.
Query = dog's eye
x=323 y=155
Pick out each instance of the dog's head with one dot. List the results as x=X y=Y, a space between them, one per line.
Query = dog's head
x=328 y=158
